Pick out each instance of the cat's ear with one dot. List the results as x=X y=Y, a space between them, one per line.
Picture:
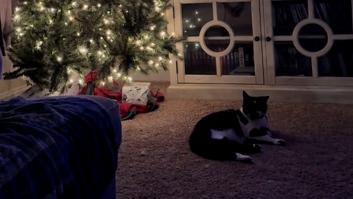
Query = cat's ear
x=245 y=95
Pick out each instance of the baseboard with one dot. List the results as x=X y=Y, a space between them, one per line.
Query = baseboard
x=13 y=92
x=341 y=95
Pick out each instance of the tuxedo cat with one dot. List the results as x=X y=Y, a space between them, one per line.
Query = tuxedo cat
x=229 y=134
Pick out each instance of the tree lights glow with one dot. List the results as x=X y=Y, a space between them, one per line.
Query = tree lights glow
x=53 y=38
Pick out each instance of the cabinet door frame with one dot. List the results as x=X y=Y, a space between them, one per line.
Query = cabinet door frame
x=258 y=78
x=269 y=51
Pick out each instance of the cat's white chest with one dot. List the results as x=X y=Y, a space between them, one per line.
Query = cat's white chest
x=253 y=124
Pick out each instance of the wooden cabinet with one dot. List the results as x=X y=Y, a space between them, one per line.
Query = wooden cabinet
x=312 y=42
x=264 y=42
x=222 y=41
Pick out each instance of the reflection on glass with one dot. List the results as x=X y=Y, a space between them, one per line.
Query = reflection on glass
x=217 y=45
x=237 y=16
x=289 y=62
x=216 y=31
x=287 y=14
x=338 y=14
x=339 y=61
x=217 y=38
x=194 y=16
x=197 y=61
x=240 y=61
x=312 y=37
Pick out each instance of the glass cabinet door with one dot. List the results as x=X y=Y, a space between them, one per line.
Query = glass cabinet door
x=222 y=41
x=309 y=42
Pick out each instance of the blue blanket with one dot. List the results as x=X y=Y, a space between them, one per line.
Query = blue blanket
x=63 y=147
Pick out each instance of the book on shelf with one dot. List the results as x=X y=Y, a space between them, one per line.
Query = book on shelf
x=289 y=62
x=241 y=57
x=342 y=65
x=287 y=16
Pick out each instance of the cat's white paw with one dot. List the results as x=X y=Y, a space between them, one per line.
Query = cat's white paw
x=279 y=141
x=243 y=158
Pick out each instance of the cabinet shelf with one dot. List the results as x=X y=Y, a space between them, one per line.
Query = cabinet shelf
x=313 y=37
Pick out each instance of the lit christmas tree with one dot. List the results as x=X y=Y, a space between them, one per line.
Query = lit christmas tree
x=55 y=39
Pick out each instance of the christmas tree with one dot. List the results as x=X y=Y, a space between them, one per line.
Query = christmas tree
x=56 y=38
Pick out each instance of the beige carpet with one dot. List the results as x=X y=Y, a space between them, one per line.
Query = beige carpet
x=155 y=161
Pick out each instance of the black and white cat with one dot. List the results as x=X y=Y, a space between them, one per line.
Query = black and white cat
x=230 y=134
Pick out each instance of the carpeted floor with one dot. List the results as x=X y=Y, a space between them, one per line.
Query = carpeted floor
x=155 y=161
